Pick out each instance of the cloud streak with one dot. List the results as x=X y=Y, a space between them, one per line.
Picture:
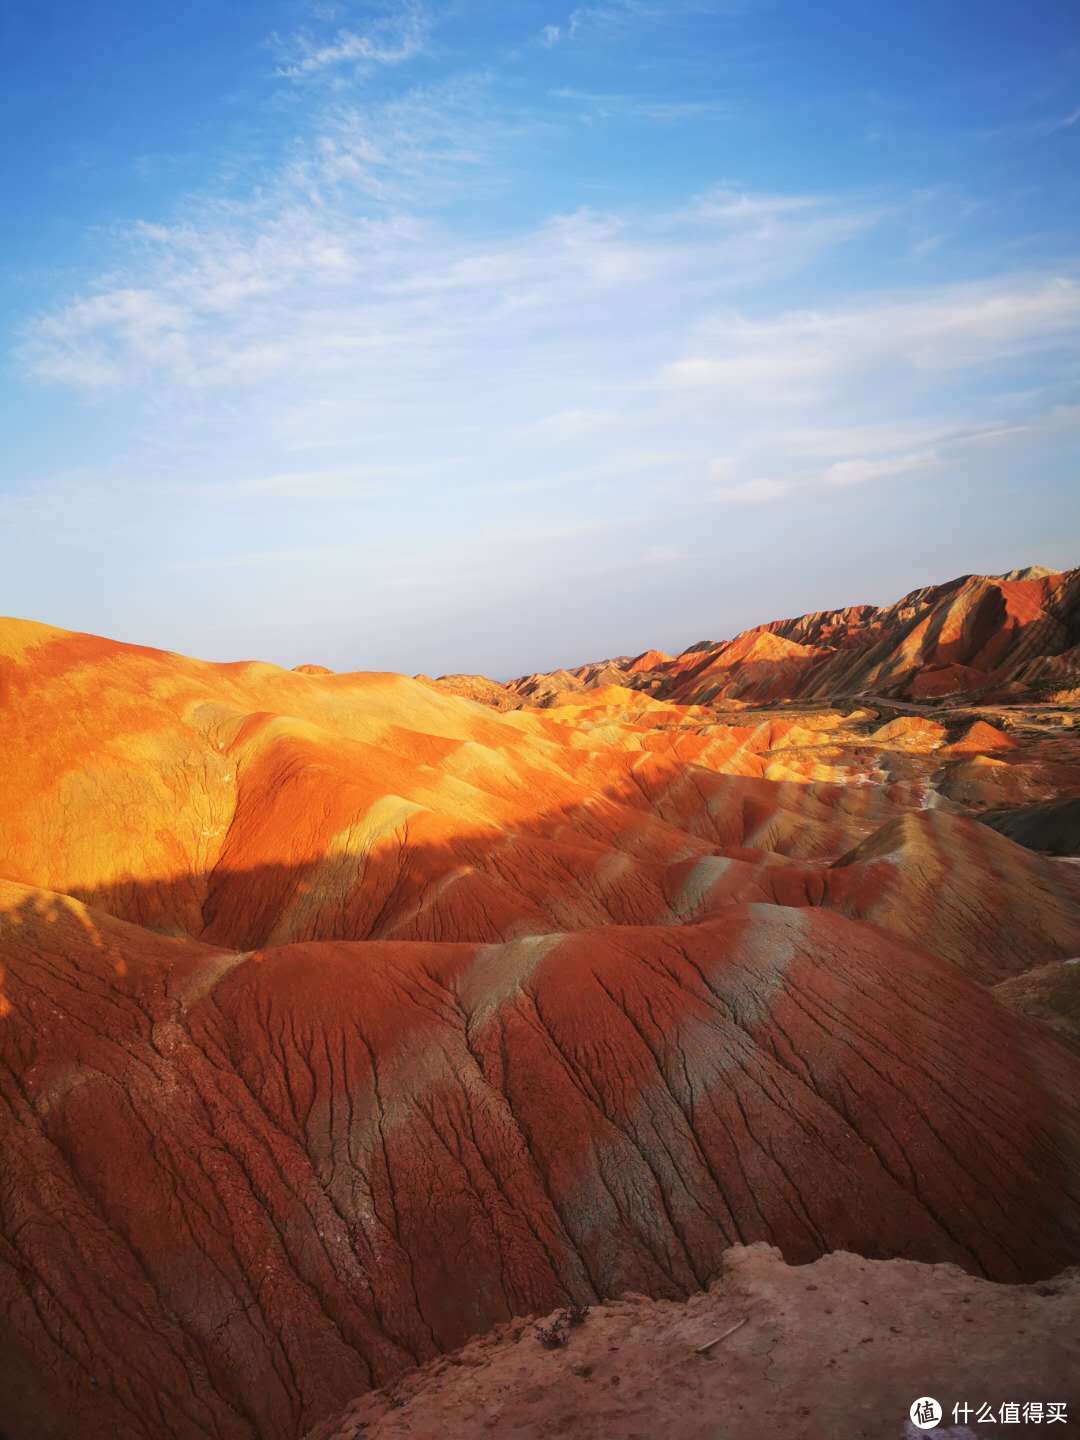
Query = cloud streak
x=392 y=39
x=617 y=17
x=352 y=324
x=596 y=105
x=309 y=278
x=793 y=358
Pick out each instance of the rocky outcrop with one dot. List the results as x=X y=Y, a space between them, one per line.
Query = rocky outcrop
x=1053 y=828
x=476 y=687
x=841 y=1347
x=1050 y=994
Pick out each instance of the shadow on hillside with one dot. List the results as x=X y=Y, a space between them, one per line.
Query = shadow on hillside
x=660 y=847
x=623 y=856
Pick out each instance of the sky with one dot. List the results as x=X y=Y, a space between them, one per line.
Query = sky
x=474 y=336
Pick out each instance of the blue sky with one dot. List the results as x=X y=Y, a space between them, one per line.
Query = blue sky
x=498 y=336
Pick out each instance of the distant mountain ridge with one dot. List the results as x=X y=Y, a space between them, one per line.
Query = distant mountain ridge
x=994 y=637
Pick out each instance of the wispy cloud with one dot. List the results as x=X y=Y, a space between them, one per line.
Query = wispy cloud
x=596 y=105
x=799 y=396
x=306 y=278
x=341 y=482
x=352 y=327
x=761 y=490
x=794 y=357
x=391 y=39
x=572 y=424
x=840 y=475
x=406 y=155
x=378 y=329
x=863 y=471
x=619 y=16
x=472 y=555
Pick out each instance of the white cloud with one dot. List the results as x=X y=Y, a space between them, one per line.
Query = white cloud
x=359 y=305
x=342 y=482
x=736 y=206
x=615 y=17
x=817 y=441
x=81 y=345
x=620 y=14
x=405 y=154
x=841 y=474
x=532 y=547
x=795 y=357
x=392 y=39
x=664 y=555
x=405 y=353
x=863 y=471
x=316 y=276
x=762 y=490
x=597 y=105
x=571 y=424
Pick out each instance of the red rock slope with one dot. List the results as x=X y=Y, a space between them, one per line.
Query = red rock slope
x=244 y=1187
x=342 y=1018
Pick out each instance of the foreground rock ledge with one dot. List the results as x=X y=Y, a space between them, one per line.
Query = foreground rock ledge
x=839 y=1348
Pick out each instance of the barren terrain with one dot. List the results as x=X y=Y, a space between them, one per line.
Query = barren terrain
x=346 y=1017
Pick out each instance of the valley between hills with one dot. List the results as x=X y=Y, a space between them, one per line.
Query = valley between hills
x=347 y=1020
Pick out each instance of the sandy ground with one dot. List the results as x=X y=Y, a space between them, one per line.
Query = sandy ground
x=840 y=1348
